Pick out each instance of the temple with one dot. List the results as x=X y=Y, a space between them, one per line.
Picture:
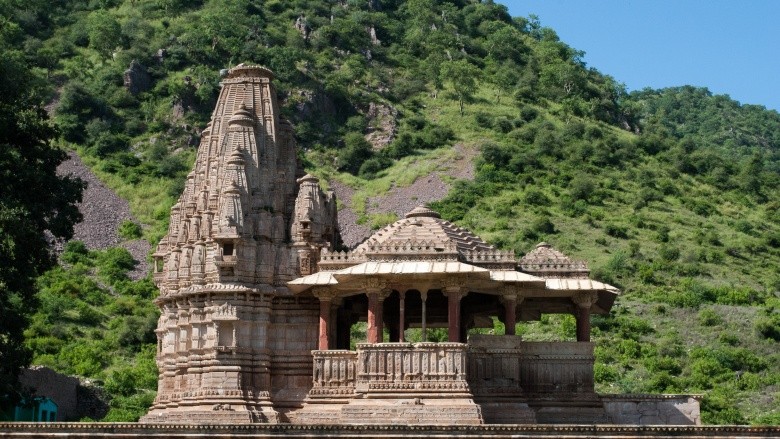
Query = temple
x=258 y=304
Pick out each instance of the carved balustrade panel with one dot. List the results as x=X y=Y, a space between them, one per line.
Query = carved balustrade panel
x=335 y=369
x=407 y=366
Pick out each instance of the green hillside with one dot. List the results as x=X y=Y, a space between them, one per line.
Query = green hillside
x=673 y=195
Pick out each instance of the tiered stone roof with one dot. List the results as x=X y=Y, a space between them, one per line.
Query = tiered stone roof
x=547 y=262
x=422 y=236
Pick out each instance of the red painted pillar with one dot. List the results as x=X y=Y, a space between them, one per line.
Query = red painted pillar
x=583 y=323
x=401 y=315
x=510 y=321
x=583 y=302
x=324 y=323
x=374 y=318
x=453 y=316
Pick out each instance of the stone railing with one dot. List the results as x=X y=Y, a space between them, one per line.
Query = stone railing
x=407 y=367
x=488 y=365
x=332 y=261
x=492 y=258
x=334 y=372
x=506 y=365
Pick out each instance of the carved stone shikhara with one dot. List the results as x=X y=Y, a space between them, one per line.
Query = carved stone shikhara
x=257 y=304
x=233 y=345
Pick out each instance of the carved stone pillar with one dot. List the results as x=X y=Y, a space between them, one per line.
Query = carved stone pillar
x=375 y=290
x=401 y=315
x=511 y=299
x=326 y=298
x=454 y=292
x=582 y=313
x=510 y=321
x=424 y=298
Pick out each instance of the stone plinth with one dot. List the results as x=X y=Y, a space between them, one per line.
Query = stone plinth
x=385 y=383
x=397 y=431
x=652 y=409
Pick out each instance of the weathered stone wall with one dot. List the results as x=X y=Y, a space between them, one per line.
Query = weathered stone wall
x=652 y=409
x=74 y=400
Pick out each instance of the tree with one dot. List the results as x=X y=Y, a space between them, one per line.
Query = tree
x=34 y=202
x=462 y=77
x=504 y=78
x=105 y=33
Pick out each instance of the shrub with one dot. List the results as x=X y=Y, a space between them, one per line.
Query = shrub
x=373 y=166
x=75 y=252
x=114 y=263
x=129 y=230
x=605 y=373
x=769 y=326
x=483 y=120
x=739 y=296
x=616 y=231
x=356 y=151
x=536 y=197
x=669 y=253
x=708 y=317
x=503 y=125
x=528 y=113
x=543 y=226
x=581 y=187
x=717 y=407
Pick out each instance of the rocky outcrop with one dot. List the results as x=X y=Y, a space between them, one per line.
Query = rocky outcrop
x=136 y=78
x=313 y=103
x=382 y=124
x=302 y=26
x=103 y=211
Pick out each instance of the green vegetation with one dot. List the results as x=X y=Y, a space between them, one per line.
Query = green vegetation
x=672 y=195
x=33 y=201
x=94 y=321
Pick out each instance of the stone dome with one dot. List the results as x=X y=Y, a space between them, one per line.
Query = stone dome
x=545 y=261
x=424 y=225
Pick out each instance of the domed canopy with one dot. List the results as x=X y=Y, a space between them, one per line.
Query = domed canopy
x=423 y=230
x=547 y=262
x=421 y=245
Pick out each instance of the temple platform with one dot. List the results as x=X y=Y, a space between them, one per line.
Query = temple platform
x=489 y=380
x=396 y=431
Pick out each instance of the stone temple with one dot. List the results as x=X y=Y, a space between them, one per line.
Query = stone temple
x=258 y=303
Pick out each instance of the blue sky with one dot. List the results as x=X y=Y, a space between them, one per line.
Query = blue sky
x=730 y=47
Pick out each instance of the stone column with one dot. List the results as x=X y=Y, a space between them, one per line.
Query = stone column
x=424 y=298
x=583 y=302
x=510 y=306
x=375 y=290
x=325 y=297
x=401 y=314
x=511 y=298
x=454 y=294
x=374 y=317
x=324 y=323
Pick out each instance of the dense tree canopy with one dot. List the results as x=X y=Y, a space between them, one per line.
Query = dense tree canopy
x=33 y=201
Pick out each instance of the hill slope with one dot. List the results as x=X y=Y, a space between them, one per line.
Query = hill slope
x=671 y=194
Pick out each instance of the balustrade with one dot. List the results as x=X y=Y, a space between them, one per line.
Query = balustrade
x=407 y=366
x=334 y=372
x=492 y=365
